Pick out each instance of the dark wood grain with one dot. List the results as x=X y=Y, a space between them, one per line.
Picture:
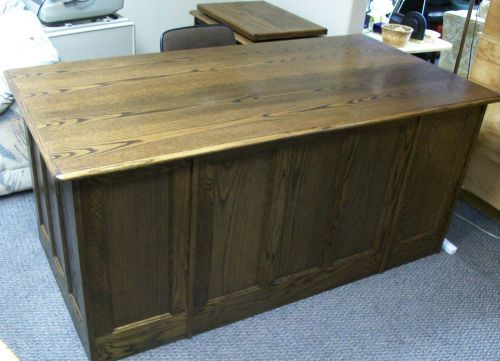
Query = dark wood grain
x=85 y=115
x=95 y=256
x=367 y=176
x=60 y=247
x=40 y=176
x=443 y=145
x=69 y=279
x=312 y=208
x=231 y=246
x=260 y=21
x=71 y=239
x=135 y=238
x=146 y=292
x=140 y=336
x=296 y=229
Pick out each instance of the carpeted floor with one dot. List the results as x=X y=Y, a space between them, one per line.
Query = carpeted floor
x=439 y=308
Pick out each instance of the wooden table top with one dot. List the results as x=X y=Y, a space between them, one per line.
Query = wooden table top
x=259 y=20
x=99 y=116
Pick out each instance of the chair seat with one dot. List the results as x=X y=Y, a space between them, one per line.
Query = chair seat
x=199 y=36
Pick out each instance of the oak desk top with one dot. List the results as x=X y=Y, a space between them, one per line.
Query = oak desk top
x=260 y=21
x=99 y=116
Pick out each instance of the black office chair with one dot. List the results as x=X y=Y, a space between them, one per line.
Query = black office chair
x=198 y=36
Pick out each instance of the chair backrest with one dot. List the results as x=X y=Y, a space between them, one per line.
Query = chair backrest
x=199 y=36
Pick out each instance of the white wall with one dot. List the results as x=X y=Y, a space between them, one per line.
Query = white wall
x=340 y=17
x=152 y=17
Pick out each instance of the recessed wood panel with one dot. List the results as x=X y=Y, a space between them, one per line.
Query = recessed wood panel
x=137 y=237
x=74 y=273
x=433 y=183
x=57 y=234
x=50 y=207
x=136 y=213
x=367 y=166
x=43 y=212
x=303 y=185
x=34 y=155
x=438 y=142
x=232 y=196
x=95 y=255
x=137 y=219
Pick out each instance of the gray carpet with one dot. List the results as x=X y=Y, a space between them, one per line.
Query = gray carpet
x=439 y=308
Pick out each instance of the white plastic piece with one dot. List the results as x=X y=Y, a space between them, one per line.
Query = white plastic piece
x=449 y=247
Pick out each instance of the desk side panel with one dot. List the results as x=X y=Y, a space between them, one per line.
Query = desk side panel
x=58 y=236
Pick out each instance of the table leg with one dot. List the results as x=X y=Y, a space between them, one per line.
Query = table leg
x=433 y=57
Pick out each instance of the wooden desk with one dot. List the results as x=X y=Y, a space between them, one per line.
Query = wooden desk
x=183 y=190
x=255 y=21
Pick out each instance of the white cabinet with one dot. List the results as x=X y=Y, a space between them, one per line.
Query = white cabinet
x=102 y=38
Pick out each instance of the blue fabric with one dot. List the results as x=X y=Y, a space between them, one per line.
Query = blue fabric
x=4 y=152
x=15 y=174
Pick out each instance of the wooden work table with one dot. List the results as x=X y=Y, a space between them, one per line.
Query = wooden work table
x=180 y=191
x=255 y=21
